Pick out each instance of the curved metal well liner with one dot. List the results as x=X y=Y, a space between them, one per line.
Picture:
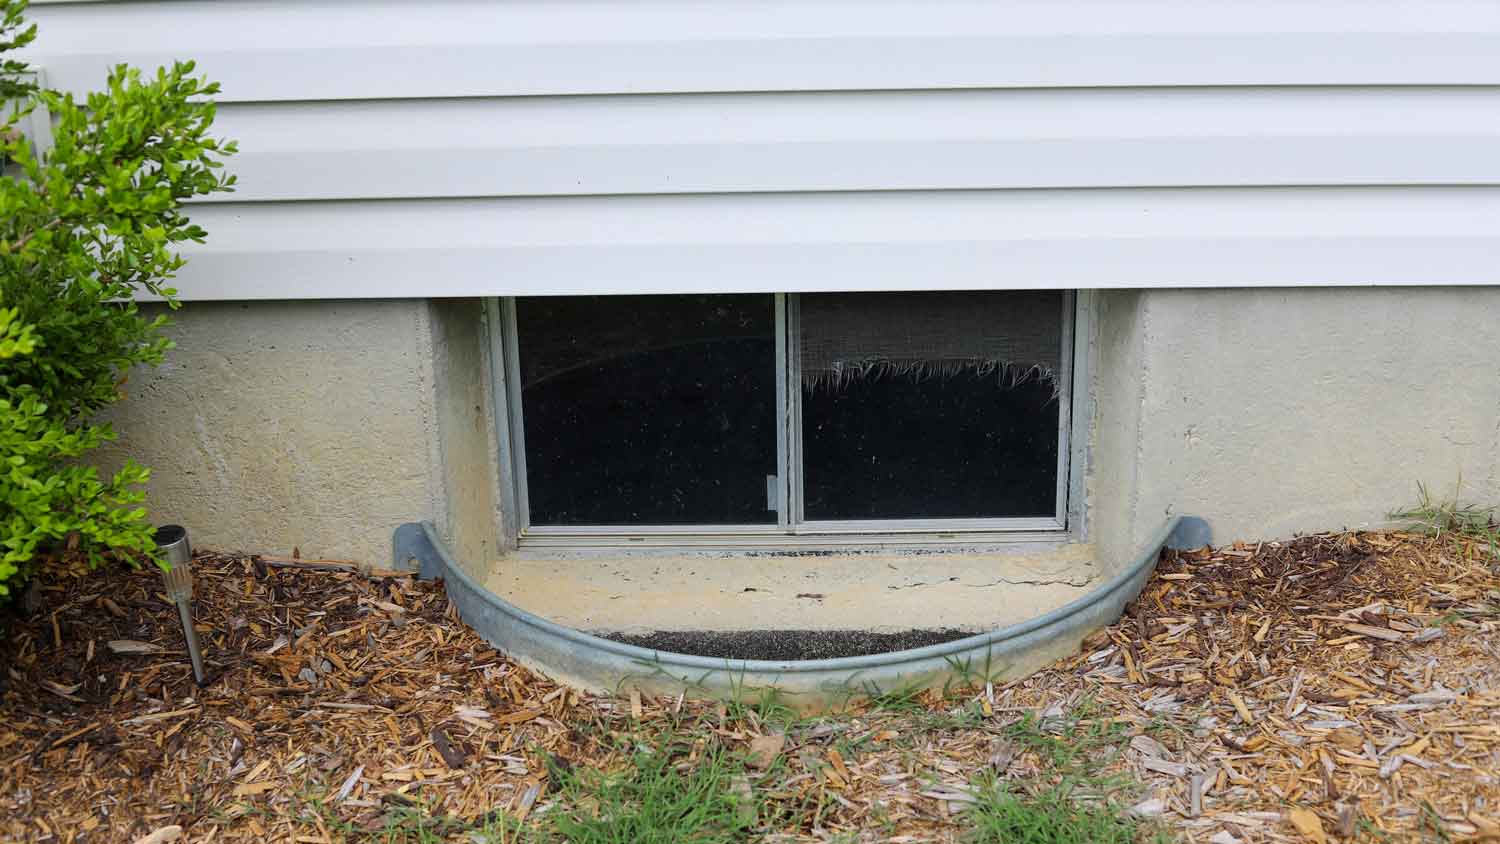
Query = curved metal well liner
x=601 y=665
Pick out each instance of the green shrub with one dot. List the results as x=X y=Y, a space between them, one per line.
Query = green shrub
x=82 y=232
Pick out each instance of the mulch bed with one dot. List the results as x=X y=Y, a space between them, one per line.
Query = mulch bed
x=1345 y=686
x=1339 y=686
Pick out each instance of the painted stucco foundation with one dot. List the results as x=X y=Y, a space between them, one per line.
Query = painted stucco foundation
x=323 y=425
x=315 y=426
x=1271 y=412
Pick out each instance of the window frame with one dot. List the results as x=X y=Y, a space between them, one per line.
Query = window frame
x=791 y=530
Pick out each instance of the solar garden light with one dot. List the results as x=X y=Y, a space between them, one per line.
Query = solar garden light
x=172 y=541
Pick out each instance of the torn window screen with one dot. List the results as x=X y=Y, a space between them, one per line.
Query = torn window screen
x=848 y=336
x=930 y=405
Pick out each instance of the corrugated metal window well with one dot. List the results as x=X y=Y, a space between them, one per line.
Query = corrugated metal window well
x=648 y=418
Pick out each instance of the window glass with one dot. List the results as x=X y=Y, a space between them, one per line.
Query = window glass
x=648 y=410
x=930 y=405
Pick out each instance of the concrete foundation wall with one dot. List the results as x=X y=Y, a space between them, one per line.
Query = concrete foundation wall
x=1116 y=355
x=281 y=425
x=467 y=458
x=323 y=425
x=1279 y=411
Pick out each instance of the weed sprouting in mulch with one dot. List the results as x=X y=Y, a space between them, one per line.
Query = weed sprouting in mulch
x=1451 y=518
x=681 y=788
x=1072 y=798
x=1053 y=816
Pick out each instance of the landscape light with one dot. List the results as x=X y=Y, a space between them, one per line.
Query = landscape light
x=172 y=541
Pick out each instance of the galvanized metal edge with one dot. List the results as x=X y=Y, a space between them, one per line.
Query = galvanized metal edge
x=581 y=659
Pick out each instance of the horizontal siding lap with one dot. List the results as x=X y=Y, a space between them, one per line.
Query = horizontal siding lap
x=373 y=50
x=324 y=73
x=865 y=141
x=395 y=148
x=954 y=240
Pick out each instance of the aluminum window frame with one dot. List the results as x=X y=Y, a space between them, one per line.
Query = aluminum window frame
x=791 y=530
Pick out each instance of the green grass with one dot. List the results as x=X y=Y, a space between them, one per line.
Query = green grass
x=1071 y=799
x=413 y=826
x=1075 y=747
x=1432 y=828
x=659 y=797
x=921 y=718
x=906 y=700
x=1052 y=816
x=656 y=797
x=1450 y=517
x=765 y=705
x=408 y=824
x=681 y=783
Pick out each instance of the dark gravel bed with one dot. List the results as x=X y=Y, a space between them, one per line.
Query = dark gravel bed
x=785 y=644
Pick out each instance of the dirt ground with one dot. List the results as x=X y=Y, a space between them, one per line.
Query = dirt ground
x=1337 y=687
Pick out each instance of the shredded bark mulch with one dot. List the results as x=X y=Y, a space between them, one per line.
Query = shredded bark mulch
x=1337 y=687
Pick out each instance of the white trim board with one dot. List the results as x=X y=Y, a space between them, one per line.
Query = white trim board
x=1205 y=237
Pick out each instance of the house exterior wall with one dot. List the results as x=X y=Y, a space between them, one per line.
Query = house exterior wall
x=453 y=148
x=290 y=425
x=1111 y=469
x=467 y=460
x=1274 y=412
x=400 y=153
x=323 y=425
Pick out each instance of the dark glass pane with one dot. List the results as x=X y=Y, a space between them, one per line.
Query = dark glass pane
x=930 y=405
x=648 y=410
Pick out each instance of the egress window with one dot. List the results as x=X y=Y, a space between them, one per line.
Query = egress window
x=763 y=415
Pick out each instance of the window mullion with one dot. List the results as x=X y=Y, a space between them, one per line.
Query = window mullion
x=783 y=513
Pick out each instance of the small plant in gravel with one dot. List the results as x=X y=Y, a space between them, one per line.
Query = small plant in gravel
x=83 y=231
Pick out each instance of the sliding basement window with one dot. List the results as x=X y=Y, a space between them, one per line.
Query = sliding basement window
x=759 y=419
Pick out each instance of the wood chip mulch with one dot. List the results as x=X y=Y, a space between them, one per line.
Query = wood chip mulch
x=1336 y=687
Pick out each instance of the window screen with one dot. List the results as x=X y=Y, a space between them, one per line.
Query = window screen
x=788 y=413
x=929 y=405
x=648 y=409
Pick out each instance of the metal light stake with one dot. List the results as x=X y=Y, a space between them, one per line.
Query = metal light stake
x=172 y=541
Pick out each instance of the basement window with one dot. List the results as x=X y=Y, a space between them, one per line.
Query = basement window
x=751 y=419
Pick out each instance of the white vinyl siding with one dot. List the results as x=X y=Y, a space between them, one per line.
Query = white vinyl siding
x=850 y=241
x=865 y=141
x=395 y=149
x=342 y=49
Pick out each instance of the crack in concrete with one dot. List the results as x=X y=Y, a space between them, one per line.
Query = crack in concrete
x=1003 y=581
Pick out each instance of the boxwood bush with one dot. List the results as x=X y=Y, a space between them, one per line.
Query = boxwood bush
x=84 y=230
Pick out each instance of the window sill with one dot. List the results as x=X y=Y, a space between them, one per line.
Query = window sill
x=851 y=536
x=614 y=591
